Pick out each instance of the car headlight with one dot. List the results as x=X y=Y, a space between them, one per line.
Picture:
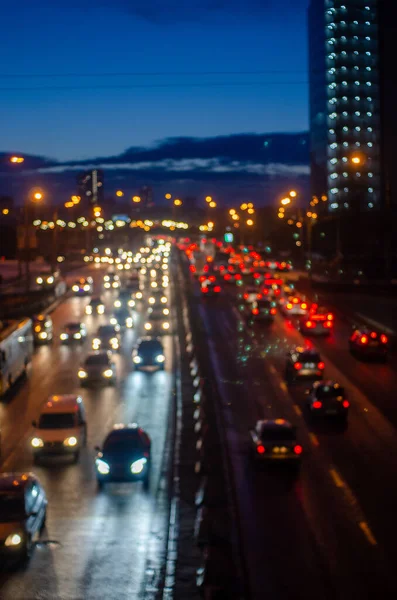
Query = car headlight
x=138 y=295
x=148 y=326
x=37 y=442
x=101 y=309
x=75 y=288
x=166 y=311
x=14 y=539
x=50 y=280
x=131 y=303
x=39 y=280
x=106 y=278
x=82 y=374
x=151 y=300
x=63 y=336
x=70 y=441
x=108 y=373
x=102 y=467
x=137 y=360
x=138 y=466
x=166 y=325
x=96 y=342
x=160 y=358
x=153 y=284
x=117 y=304
x=164 y=299
x=115 y=284
x=129 y=322
x=77 y=336
x=86 y=288
x=88 y=310
x=113 y=321
x=43 y=335
x=114 y=341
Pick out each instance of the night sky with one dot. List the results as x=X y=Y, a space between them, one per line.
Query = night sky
x=133 y=72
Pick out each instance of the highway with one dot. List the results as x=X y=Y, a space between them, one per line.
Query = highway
x=95 y=544
x=330 y=531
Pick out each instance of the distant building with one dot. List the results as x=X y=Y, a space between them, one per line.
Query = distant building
x=90 y=185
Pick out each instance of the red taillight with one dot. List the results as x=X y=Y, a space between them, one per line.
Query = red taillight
x=289 y=305
x=256 y=275
x=204 y=290
x=295 y=300
x=383 y=339
x=192 y=268
x=221 y=268
x=273 y=311
x=217 y=289
x=303 y=306
x=237 y=276
x=317 y=404
x=298 y=449
x=230 y=268
x=261 y=449
x=309 y=324
x=255 y=311
x=345 y=404
x=277 y=292
x=297 y=366
x=259 y=296
x=327 y=325
x=202 y=278
x=373 y=335
x=321 y=366
x=227 y=277
x=330 y=317
x=212 y=278
x=364 y=339
x=245 y=296
x=265 y=291
x=206 y=268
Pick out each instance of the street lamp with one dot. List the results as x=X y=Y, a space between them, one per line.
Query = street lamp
x=250 y=222
x=136 y=199
x=212 y=204
x=37 y=197
x=168 y=196
x=17 y=159
x=119 y=193
x=177 y=202
x=208 y=199
x=286 y=201
x=293 y=194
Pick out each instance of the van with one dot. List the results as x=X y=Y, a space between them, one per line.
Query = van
x=61 y=428
x=43 y=330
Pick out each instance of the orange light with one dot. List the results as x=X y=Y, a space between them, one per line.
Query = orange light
x=17 y=159
x=293 y=194
x=168 y=196
x=119 y=193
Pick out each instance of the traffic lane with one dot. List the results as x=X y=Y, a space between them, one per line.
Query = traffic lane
x=99 y=540
x=363 y=452
x=302 y=519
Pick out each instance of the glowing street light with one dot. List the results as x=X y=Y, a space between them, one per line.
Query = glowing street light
x=37 y=196
x=208 y=199
x=232 y=212
x=17 y=159
x=244 y=206
x=212 y=204
x=119 y=193
x=75 y=199
x=177 y=202
x=293 y=194
x=69 y=204
x=286 y=201
x=168 y=196
x=356 y=160
x=136 y=199
x=249 y=222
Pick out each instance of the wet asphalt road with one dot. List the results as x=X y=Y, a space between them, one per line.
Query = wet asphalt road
x=330 y=531
x=96 y=545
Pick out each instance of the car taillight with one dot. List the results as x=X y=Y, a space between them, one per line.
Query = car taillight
x=256 y=275
x=317 y=404
x=364 y=339
x=202 y=278
x=221 y=268
x=255 y=311
x=237 y=276
x=217 y=289
x=383 y=339
x=206 y=268
x=289 y=305
x=261 y=449
x=373 y=335
x=330 y=317
x=227 y=277
x=327 y=324
x=309 y=324
x=321 y=365
x=298 y=449
x=303 y=306
x=297 y=366
x=295 y=300
x=265 y=291
x=192 y=268
x=273 y=311
x=204 y=290
x=259 y=296
x=277 y=292
x=345 y=404
x=212 y=278
x=245 y=296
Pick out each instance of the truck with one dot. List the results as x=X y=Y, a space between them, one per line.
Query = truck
x=16 y=351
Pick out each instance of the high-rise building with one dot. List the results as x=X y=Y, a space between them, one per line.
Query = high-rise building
x=345 y=101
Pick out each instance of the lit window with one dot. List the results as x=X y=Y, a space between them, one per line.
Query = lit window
x=344 y=68
x=358 y=144
x=344 y=53
x=368 y=68
x=355 y=37
x=369 y=114
x=344 y=159
x=369 y=83
x=357 y=113
x=370 y=190
x=369 y=129
x=355 y=22
x=345 y=128
x=334 y=205
x=367 y=23
x=344 y=98
x=334 y=190
x=344 y=82
x=357 y=83
x=334 y=175
x=368 y=53
x=346 y=205
x=345 y=144
x=343 y=38
x=369 y=98
x=345 y=174
x=370 y=205
x=370 y=144
x=358 y=174
x=366 y=8
x=357 y=128
x=357 y=98
x=346 y=189
x=332 y=131
x=344 y=113
x=356 y=68
x=356 y=52
x=333 y=161
x=370 y=175
x=333 y=145
x=367 y=38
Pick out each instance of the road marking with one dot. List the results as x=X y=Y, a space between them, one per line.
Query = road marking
x=314 y=439
x=368 y=533
x=297 y=410
x=338 y=481
x=283 y=386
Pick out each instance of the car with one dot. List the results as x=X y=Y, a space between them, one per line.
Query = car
x=210 y=288
x=122 y=317
x=275 y=440
x=148 y=353
x=319 y=321
x=156 y=321
x=83 y=286
x=157 y=295
x=262 y=310
x=48 y=279
x=250 y=294
x=23 y=512
x=124 y=300
x=43 y=330
x=367 y=343
x=303 y=363
x=61 y=427
x=295 y=306
x=73 y=332
x=99 y=368
x=327 y=398
x=272 y=287
x=125 y=456
x=107 y=337
x=111 y=281
x=96 y=306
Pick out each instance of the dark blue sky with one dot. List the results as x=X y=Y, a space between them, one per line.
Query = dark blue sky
x=178 y=39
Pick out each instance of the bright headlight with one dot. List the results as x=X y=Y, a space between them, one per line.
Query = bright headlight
x=77 y=336
x=164 y=299
x=148 y=326
x=37 y=442
x=138 y=295
x=131 y=303
x=166 y=325
x=137 y=360
x=50 y=280
x=115 y=284
x=63 y=336
x=166 y=311
x=160 y=358
x=138 y=466
x=75 y=288
x=43 y=335
x=96 y=342
x=114 y=341
x=14 y=539
x=153 y=284
x=88 y=310
x=82 y=374
x=151 y=300
x=101 y=309
x=70 y=441
x=39 y=280
x=113 y=321
x=108 y=373
x=153 y=273
x=102 y=466
x=117 y=304
x=107 y=285
x=129 y=322
x=86 y=288
x=106 y=278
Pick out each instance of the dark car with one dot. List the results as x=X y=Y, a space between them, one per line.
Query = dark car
x=262 y=310
x=83 y=286
x=124 y=300
x=327 y=398
x=99 y=368
x=274 y=440
x=73 y=332
x=23 y=510
x=122 y=317
x=96 y=306
x=210 y=287
x=43 y=330
x=303 y=363
x=148 y=353
x=319 y=321
x=107 y=338
x=124 y=456
x=369 y=343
